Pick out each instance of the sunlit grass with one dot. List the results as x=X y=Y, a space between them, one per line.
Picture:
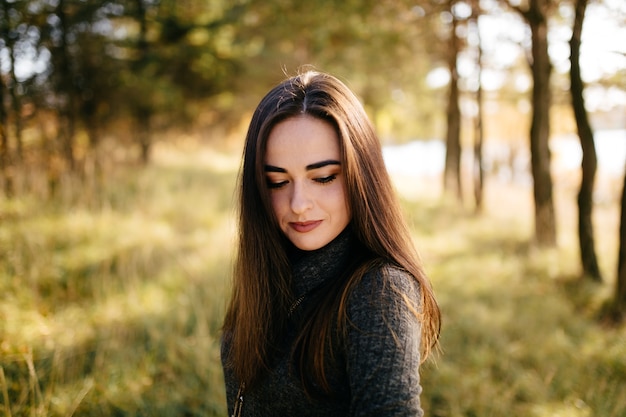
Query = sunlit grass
x=111 y=303
x=520 y=335
x=112 y=306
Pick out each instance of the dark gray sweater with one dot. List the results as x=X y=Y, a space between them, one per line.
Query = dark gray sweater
x=376 y=370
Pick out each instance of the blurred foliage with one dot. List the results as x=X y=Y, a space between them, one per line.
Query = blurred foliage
x=77 y=73
x=125 y=69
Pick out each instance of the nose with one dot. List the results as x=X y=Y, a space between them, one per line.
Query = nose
x=300 y=198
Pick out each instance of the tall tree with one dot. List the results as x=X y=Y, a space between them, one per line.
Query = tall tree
x=452 y=168
x=10 y=35
x=179 y=53
x=589 y=158
x=620 y=284
x=536 y=14
x=478 y=119
x=143 y=112
x=5 y=150
x=67 y=90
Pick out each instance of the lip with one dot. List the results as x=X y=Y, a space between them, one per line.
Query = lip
x=304 y=227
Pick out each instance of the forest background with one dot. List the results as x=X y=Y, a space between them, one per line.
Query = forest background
x=121 y=126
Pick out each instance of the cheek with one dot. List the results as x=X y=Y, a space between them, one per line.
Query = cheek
x=346 y=209
x=277 y=205
x=346 y=204
x=338 y=201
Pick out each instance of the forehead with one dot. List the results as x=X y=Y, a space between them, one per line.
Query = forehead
x=302 y=139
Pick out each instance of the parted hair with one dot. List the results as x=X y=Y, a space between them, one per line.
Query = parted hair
x=257 y=314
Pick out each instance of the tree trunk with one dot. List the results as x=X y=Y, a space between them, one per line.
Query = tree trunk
x=620 y=287
x=545 y=223
x=143 y=135
x=5 y=161
x=5 y=151
x=12 y=85
x=452 y=169
x=90 y=117
x=589 y=158
x=478 y=121
x=68 y=109
x=143 y=112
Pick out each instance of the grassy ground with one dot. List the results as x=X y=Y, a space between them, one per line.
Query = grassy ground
x=110 y=305
x=521 y=333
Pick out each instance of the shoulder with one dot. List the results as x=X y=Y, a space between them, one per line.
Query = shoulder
x=387 y=280
x=386 y=290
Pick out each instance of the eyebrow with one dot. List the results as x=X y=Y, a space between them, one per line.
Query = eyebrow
x=310 y=167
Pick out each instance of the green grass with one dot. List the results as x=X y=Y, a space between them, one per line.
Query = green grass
x=522 y=334
x=111 y=303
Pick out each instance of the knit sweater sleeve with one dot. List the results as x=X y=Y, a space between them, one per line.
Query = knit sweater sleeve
x=383 y=345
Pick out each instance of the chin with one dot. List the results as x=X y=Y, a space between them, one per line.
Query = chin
x=308 y=244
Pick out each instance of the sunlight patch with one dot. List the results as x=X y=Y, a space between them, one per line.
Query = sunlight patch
x=571 y=408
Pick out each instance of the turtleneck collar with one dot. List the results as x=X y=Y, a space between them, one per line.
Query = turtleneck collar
x=310 y=269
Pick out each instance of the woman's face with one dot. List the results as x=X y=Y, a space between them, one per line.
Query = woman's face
x=306 y=181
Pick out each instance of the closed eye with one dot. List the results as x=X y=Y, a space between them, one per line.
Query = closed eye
x=326 y=180
x=276 y=185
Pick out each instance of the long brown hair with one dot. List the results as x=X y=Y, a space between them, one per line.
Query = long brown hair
x=261 y=296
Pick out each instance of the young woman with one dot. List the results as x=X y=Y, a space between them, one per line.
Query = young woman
x=331 y=313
